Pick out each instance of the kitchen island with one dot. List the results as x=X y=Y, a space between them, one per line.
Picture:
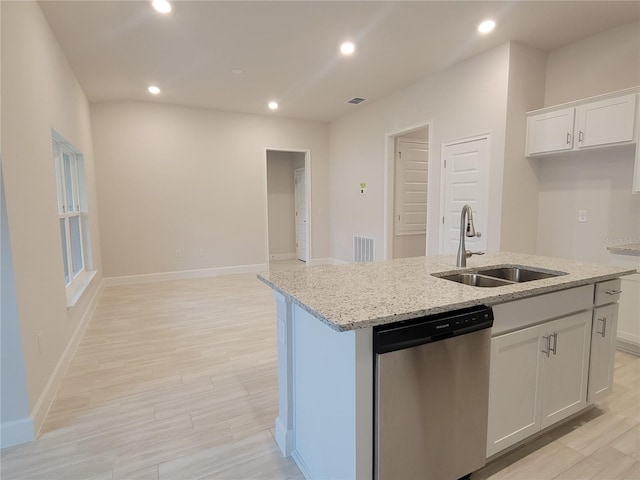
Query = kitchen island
x=325 y=316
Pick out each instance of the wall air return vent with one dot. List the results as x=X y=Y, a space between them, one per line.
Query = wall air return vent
x=363 y=249
x=356 y=100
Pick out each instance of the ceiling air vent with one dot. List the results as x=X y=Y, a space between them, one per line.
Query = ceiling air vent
x=356 y=100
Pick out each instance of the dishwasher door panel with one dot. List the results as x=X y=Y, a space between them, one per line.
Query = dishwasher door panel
x=431 y=409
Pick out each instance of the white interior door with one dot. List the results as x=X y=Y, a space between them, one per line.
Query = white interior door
x=411 y=187
x=466 y=181
x=300 y=213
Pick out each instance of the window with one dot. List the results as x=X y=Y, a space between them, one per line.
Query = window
x=72 y=217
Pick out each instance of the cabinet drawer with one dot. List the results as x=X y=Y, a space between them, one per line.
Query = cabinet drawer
x=530 y=311
x=607 y=292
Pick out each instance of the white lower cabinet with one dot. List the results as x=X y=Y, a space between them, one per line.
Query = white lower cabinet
x=603 y=349
x=538 y=377
x=514 y=384
x=565 y=368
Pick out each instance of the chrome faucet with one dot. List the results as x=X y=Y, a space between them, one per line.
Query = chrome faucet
x=466 y=229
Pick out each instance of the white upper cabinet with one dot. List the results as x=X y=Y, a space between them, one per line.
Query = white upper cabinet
x=550 y=132
x=582 y=125
x=605 y=122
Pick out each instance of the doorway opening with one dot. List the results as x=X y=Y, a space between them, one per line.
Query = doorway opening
x=288 y=239
x=406 y=192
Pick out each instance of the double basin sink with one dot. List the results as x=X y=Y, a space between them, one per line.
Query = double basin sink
x=497 y=277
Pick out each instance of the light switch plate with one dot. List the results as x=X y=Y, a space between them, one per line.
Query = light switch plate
x=582 y=216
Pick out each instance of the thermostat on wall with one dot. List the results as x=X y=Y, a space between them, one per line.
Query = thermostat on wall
x=363 y=188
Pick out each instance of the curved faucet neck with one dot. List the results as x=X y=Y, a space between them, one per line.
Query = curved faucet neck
x=466 y=229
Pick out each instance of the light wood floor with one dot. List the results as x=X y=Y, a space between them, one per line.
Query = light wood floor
x=177 y=380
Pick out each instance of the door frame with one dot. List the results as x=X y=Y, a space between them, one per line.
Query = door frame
x=295 y=204
x=307 y=179
x=482 y=136
x=389 y=182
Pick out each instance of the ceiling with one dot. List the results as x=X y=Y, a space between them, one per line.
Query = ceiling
x=288 y=51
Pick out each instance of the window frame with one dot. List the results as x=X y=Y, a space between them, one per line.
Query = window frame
x=71 y=187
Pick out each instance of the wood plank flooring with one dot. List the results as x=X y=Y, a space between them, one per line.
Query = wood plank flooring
x=177 y=380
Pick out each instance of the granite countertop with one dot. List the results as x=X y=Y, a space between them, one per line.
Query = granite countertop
x=626 y=249
x=358 y=295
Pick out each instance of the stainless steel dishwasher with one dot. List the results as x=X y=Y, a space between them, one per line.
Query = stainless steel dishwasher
x=431 y=396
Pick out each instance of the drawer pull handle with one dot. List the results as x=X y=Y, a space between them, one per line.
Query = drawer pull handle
x=548 y=346
x=555 y=342
x=613 y=292
x=568 y=138
x=603 y=332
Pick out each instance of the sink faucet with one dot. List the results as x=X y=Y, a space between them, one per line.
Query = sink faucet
x=466 y=229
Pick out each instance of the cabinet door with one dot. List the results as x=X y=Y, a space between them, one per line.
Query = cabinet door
x=514 y=409
x=565 y=370
x=550 y=132
x=605 y=122
x=603 y=346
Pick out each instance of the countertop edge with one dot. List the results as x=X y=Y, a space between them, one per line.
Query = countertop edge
x=489 y=300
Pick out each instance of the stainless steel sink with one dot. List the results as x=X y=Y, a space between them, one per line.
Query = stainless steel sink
x=518 y=274
x=476 y=280
x=498 y=277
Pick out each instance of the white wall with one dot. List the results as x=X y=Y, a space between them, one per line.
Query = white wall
x=15 y=423
x=520 y=185
x=40 y=92
x=598 y=181
x=178 y=178
x=280 y=188
x=464 y=100
x=602 y=63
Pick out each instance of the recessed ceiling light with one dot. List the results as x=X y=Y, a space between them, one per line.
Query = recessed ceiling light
x=153 y=90
x=347 y=48
x=273 y=105
x=486 y=26
x=161 y=6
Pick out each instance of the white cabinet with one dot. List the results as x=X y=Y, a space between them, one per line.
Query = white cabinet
x=584 y=125
x=605 y=122
x=565 y=367
x=514 y=397
x=603 y=347
x=550 y=132
x=538 y=377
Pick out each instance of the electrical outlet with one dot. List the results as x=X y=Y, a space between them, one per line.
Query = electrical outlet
x=582 y=216
x=202 y=252
x=178 y=253
x=41 y=342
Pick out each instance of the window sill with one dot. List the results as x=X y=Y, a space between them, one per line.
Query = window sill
x=77 y=289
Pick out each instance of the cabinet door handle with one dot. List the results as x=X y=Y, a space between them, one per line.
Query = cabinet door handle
x=548 y=346
x=555 y=342
x=568 y=138
x=580 y=136
x=613 y=292
x=603 y=332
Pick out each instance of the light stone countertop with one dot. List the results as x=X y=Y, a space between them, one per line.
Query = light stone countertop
x=359 y=295
x=626 y=249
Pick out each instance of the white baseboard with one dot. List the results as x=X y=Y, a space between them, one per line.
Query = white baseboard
x=16 y=432
x=284 y=438
x=183 y=274
x=627 y=346
x=283 y=256
x=326 y=261
x=41 y=408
